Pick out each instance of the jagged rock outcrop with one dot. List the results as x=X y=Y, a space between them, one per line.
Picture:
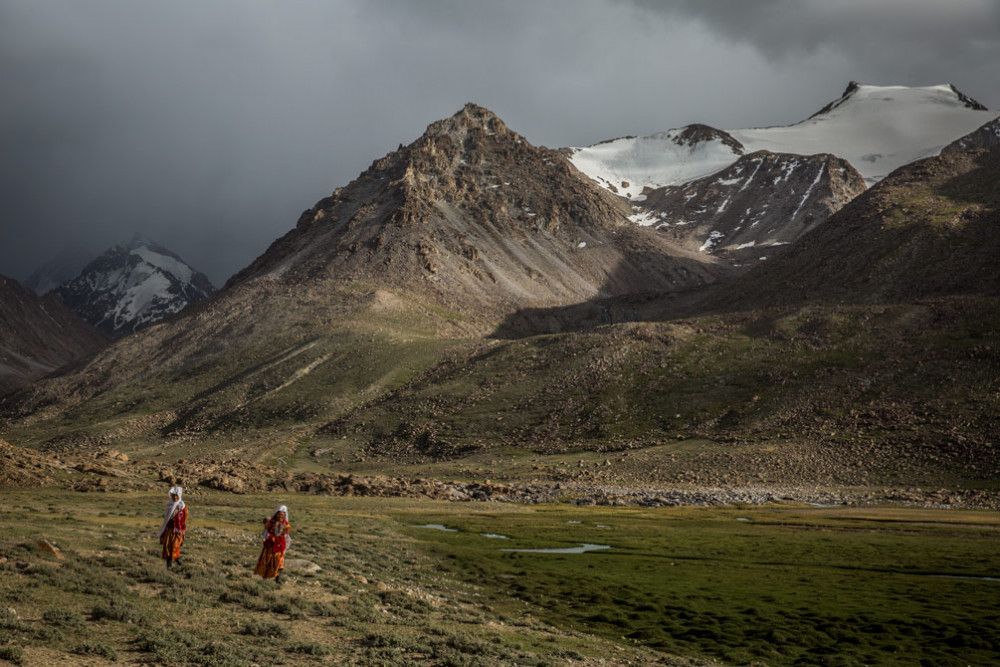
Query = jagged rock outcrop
x=932 y=228
x=754 y=208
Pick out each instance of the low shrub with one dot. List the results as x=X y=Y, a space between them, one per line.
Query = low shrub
x=264 y=629
x=12 y=654
x=102 y=650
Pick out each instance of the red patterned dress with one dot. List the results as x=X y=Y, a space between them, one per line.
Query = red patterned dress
x=276 y=540
x=173 y=535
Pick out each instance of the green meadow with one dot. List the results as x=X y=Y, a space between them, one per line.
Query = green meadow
x=777 y=585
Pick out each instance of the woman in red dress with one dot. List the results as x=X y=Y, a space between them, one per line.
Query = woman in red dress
x=276 y=543
x=174 y=527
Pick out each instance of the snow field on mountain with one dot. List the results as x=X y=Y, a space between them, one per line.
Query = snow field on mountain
x=650 y=161
x=875 y=128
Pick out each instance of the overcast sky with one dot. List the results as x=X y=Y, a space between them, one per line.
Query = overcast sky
x=209 y=125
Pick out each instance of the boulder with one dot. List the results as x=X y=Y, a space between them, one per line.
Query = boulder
x=47 y=547
x=302 y=566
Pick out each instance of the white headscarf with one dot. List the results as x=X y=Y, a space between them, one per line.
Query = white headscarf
x=288 y=538
x=173 y=506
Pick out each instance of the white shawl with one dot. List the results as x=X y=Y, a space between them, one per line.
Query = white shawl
x=172 y=507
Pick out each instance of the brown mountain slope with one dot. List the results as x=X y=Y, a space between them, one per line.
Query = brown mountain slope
x=477 y=219
x=987 y=137
x=931 y=228
x=38 y=335
x=866 y=354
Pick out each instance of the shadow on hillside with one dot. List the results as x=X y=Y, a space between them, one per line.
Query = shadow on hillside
x=980 y=186
x=626 y=307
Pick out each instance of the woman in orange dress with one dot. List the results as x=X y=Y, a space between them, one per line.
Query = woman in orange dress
x=276 y=543
x=174 y=527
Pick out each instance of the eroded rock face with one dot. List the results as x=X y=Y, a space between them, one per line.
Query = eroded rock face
x=752 y=209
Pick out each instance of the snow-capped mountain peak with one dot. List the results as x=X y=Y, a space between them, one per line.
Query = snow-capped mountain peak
x=133 y=285
x=875 y=128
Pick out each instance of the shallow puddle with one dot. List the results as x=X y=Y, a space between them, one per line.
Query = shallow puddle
x=438 y=526
x=495 y=536
x=583 y=548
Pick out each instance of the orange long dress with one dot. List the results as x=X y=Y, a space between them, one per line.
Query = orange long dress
x=173 y=536
x=272 y=555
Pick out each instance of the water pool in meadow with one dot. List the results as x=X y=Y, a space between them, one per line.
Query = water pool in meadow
x=438 y=526
x=583 y=548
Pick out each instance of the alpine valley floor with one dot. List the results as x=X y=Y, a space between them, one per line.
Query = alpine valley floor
x=368 y=584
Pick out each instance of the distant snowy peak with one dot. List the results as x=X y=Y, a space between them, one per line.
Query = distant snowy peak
x=946 y=94
x=628 y=165
x=875 y=128
x=133 y=286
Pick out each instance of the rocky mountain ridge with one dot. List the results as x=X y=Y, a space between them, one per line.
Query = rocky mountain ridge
x=929 y=229
x=481 y=221
x=368 y=334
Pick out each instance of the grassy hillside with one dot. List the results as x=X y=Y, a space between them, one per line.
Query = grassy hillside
x=917 y=383
x=853 y=395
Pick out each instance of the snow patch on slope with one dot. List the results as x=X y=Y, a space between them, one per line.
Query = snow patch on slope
x=165 y=263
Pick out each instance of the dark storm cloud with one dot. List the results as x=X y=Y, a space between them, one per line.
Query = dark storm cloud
x=911 y=42
x=209 y=125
